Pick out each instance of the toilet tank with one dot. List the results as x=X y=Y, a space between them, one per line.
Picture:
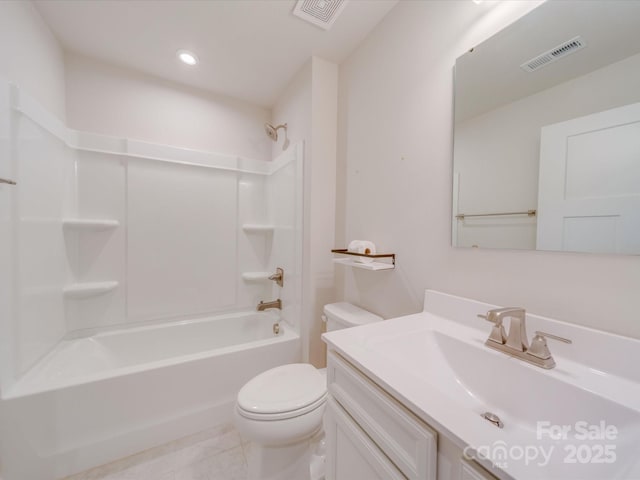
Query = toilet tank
x=344 y=315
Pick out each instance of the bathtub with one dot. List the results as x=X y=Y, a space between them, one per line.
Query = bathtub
x=101 y=397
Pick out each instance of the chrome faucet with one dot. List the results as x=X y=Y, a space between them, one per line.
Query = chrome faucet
x=265 y=305
x=278 y=277
x=516 y=343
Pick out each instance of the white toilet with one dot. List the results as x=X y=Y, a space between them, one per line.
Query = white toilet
x=280 y=411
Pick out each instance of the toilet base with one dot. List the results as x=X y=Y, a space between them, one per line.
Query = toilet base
x=286 y=462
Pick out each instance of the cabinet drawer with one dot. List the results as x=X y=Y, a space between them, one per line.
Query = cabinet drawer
x=351 y=454
x=405 y=439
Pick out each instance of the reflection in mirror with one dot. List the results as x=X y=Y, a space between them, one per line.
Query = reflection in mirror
x=547 y=132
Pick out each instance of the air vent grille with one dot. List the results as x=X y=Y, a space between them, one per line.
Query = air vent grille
x=321 y=13
x=554 y=54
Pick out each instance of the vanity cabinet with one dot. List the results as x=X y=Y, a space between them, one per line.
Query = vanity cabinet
x=370 y=434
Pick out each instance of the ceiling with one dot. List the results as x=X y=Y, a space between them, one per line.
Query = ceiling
x=248 y=49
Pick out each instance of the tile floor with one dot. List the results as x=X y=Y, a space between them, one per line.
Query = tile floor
x=214 y=454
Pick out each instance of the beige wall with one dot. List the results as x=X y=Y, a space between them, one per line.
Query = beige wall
x=110 y=100
x=30 y=55
x=394 y=182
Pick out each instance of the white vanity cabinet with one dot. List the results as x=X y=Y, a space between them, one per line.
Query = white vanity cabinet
x=371 y=435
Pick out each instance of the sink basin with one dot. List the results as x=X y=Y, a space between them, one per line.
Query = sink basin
x=483 y=380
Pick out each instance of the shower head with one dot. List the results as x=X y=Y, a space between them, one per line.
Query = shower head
x=272 y=131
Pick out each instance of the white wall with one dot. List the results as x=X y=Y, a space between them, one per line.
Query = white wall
x=107 y=99
x=395 y=152
x=322 y=200
x=309 y=106
x=30 y=55
x=293 y=107
x=497 y=153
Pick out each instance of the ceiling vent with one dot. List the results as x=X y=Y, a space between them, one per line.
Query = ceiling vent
x=322 y=13
x=556 y=53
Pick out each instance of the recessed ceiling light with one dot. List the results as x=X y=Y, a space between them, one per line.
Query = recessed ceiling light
x=187 y=57
x=477 y=2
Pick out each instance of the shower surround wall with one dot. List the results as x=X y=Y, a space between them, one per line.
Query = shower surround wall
x=177 y=246
x=35 y=266
x=30 y=55
x=187 y=243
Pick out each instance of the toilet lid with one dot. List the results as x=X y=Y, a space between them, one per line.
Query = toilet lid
x=283 y=389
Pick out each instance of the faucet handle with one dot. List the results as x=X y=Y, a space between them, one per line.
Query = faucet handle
x=490 y=317
x=278 y=277
x=497 y=334
x=554 y=337
x=539 y=346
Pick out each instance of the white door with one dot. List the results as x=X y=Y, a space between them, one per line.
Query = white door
x=589 y=183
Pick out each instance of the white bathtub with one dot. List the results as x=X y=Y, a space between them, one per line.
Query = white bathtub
x=98 y=398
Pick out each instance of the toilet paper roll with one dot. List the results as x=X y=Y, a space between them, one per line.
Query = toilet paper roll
x=362 y=246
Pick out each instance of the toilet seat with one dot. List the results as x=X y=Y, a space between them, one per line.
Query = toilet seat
x=283 y=392
x=282 y=415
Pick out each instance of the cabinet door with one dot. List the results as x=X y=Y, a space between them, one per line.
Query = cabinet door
x=472 y=471
x=407 y=441
x=351 y=454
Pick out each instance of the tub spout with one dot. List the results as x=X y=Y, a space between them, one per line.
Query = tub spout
x=264 y=305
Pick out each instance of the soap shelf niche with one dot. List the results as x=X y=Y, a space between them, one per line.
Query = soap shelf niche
x=258 y=228
x=88 y=289
x=89 y=225
x=256 y=277
x=366 y=266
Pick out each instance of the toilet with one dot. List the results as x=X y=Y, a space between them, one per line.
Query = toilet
x=280 y=411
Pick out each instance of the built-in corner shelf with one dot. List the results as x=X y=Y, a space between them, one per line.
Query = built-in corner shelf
x=374 y=265
x=88 y=289
x=89 y=225
x=258 y=228
x=256 y=277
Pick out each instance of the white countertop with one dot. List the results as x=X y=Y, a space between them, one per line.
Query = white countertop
x=449 y=391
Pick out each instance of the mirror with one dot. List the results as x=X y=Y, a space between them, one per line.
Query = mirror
x=547 y=132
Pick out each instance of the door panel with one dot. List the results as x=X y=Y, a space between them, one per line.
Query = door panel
x=589 y=185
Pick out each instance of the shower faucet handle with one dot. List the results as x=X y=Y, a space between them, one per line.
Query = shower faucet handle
x=278 y=277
